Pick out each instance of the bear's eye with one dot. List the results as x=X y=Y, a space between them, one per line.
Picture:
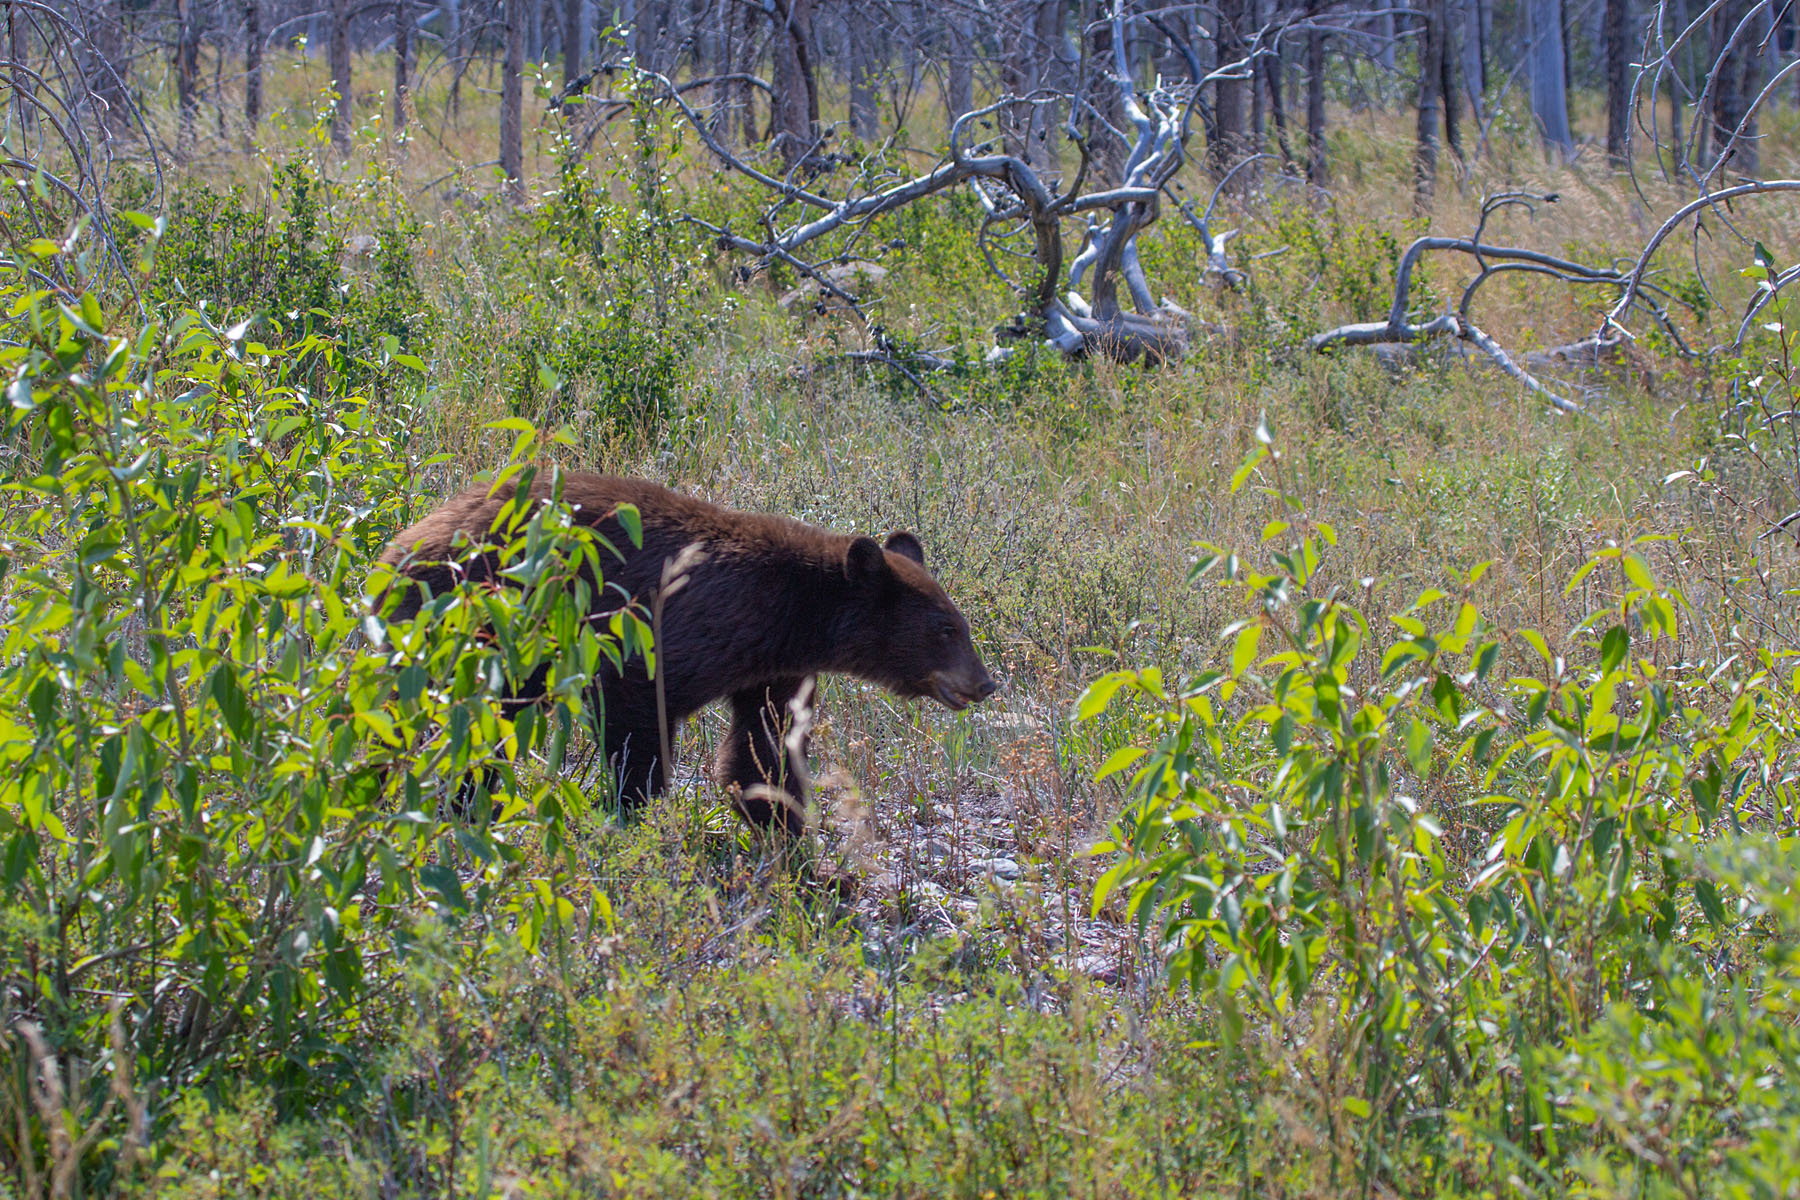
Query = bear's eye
x=946 y=630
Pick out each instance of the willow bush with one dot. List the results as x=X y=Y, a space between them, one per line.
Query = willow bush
x=228 y=779
x=1478 y=895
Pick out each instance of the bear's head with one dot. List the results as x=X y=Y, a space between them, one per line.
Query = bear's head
x=906 y=635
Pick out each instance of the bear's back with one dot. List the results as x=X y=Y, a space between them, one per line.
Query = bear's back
x=670 y=523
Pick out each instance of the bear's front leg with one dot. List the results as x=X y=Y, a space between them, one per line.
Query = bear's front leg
x=634 y=743
x=753 y=764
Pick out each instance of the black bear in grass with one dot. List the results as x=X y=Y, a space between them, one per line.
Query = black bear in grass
x=767 y=602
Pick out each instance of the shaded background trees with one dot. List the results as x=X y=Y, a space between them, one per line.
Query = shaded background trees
x=793 y=71
x=1241 y=97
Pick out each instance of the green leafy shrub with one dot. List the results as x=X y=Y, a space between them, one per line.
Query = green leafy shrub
x=219 y=250
x=1449 y=868
x=223 y=774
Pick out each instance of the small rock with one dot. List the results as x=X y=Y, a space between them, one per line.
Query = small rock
x=999 y=868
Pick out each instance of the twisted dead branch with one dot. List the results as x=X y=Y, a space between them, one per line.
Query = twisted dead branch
x=73 y=122
x=1492 y=260
x=810 y=231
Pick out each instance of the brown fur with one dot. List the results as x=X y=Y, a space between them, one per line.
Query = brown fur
x=768 y=601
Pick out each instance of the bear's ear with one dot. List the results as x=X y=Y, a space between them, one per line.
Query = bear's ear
x=906 y=545
x=865 y=561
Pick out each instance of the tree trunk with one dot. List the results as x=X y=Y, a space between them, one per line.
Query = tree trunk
x=860 y=26
x=1272 y=69
x=796 y=120
x=1431 y=99
x=1544 y=62
x=646 y=25
x=1018 y=73
x=24 y=110
x=1447 y=83
x=1228 y=94
x=1474 y=58
x=743 y=106
x=1484 y=17
x=1568 y=44
x=726 y=96
x=187 y=68
x=1046 y=118
x=1618 y=81
x=342 y=116
x=1677 y=137
x=1315 y=108
x=512 y=103
x=1734 y=86
x=572 y=39
x=453 y=52
x=109 y=63
x=961 y=86
x=1253 y=144
x=253 y=80
x=1109 y=153
x=403 y=25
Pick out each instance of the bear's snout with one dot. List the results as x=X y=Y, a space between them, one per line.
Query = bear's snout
x=957 y=694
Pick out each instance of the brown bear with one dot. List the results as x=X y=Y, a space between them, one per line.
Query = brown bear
x=768 y=601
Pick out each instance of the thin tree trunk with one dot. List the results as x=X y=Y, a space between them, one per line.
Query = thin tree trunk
x=644 y=41
x=961 y=85
x=512 y=104
x=1568 y=57
x=342 y=116
x=860 y=29
x=187 y=68
x=1447 y=84
x=1618 y=81
x=1258 y=91
x=725 y=95
x=109 y=63
x=1431 y=88
x=743 y=107
x=23 y=108
x=403 y=25
x=572 y=37
x=1018 y=73
x=1272 y=68
x=1228 y=94
x=253 y=80
x=218 y=96
x=796 y=118
x=1046 y=118
x=1315 y=108
x=1484 y=17
x=1735 y=84
x=1474 y=58
x=1253 y=144
x=1544 y=61
x=453 y=51
x=1678 y=19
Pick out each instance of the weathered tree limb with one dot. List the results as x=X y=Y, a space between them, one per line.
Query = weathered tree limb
x=1020 y=205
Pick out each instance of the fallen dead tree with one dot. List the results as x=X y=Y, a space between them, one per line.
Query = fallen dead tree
x=814 y=233
x=1494 y=260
